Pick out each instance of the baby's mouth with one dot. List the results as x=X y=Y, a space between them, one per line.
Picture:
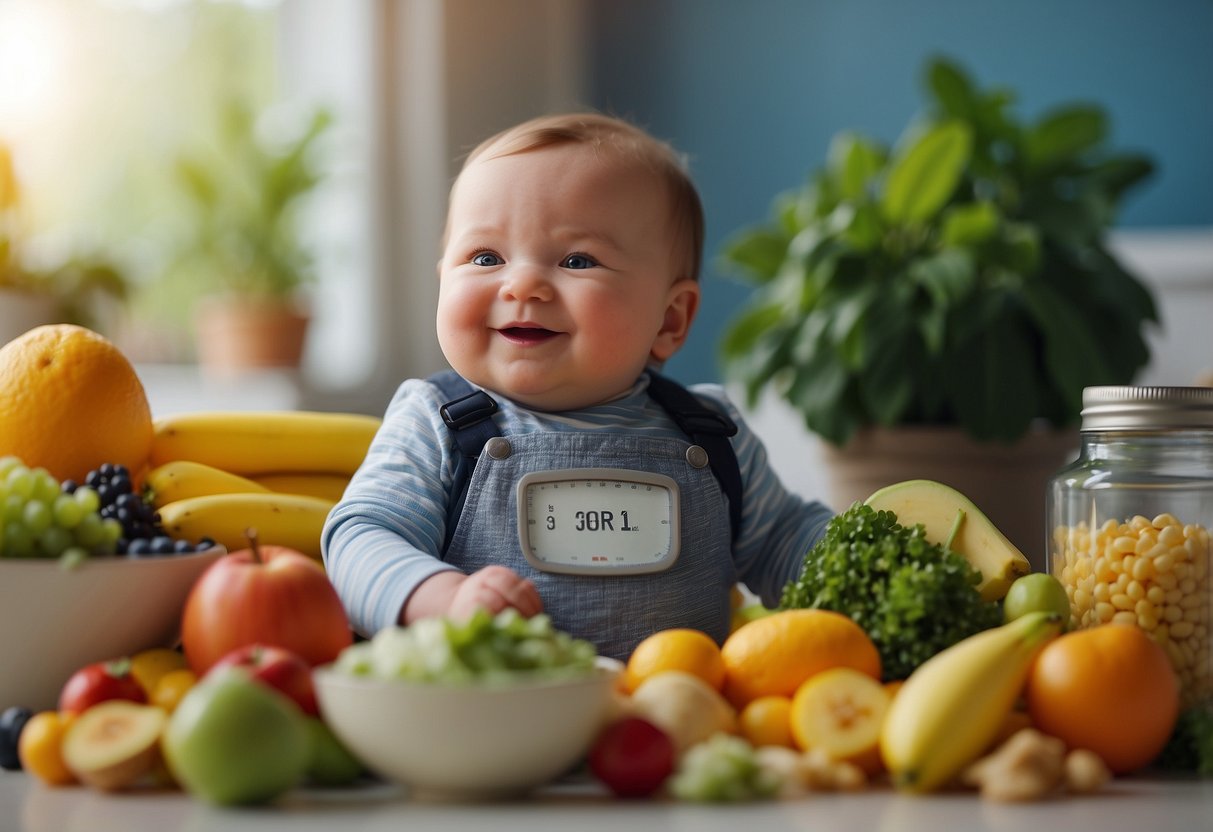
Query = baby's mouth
x=527 y=334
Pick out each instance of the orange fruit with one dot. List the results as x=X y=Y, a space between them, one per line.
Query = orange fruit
x=41 y=748
x=148 y=666
x=70 y=401
x=171 y=688
x=1110 y=689
x=690 y=651
x=775 y=654
x=765 y=721
x=841 y=711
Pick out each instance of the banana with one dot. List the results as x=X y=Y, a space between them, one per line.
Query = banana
x=290 y=520
x=951 y=707
x=262 y=442
x=182 y=479
x=312 y=483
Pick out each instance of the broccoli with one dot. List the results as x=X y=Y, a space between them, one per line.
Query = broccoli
x=1190 y=747
x=912 y=597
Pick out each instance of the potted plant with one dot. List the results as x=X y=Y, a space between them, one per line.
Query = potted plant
x=242 y=250
x=75 y=291
x=935 y=310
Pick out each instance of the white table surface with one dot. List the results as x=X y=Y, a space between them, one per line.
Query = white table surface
x=1131 y=805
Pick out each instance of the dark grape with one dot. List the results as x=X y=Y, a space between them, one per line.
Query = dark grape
x=68 y=486
x=12 y=723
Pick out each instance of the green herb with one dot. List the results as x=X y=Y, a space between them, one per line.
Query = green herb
x=912 y=597
x=1191 y=745
x=486 y=648
x=723 y=769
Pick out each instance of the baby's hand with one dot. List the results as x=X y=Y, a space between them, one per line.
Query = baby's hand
x=494 y=588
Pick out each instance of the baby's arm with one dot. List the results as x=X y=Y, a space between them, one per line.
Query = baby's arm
x=778 y=527
x=493 y=588
x=383 y=540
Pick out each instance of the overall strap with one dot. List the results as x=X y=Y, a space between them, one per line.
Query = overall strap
x=468 y=414
x=710 y=429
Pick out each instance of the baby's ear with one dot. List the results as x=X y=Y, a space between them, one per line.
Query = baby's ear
x=682 y=302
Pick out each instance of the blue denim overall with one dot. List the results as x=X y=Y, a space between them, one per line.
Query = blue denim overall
x=613 y=611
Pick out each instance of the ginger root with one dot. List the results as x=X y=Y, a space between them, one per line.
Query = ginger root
x=1033 y=766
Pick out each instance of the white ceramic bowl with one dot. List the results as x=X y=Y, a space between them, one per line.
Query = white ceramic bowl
x=56 y=621
x=467 y=741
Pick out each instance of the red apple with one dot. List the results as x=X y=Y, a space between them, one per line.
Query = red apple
x=270 y=595
x=281 y=669
x=98 y=683
x=633 y=757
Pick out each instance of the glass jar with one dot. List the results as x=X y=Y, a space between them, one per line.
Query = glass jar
x=1129 y=521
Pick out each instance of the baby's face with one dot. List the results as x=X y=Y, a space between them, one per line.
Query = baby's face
x=558 y=283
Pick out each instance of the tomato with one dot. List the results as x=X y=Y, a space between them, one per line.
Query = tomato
x=99 y=682
x=633 y=757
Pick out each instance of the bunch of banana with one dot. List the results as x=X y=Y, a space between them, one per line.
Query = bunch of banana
x=218 y=473
x=951 y=708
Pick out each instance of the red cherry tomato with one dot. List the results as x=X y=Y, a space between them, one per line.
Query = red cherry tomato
x=99 y=682
x=633 y=757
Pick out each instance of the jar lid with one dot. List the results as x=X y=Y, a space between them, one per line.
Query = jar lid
x=1147 y=408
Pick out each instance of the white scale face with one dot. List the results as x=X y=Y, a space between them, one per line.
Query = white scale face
x=599 y=521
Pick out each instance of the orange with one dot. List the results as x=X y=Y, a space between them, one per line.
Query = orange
x=171 y=688
x=147 y=666
x=690 y=651
x=840 y=712
x=775 y=654
x=70 y=401
x=765 y=721
x=41 y=748
x=1110 y=689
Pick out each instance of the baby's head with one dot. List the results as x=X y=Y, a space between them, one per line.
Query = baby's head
x=571 y=260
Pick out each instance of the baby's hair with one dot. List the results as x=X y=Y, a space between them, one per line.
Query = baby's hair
x=630 y=144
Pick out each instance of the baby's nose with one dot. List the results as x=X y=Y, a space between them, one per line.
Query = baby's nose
x=526 y=281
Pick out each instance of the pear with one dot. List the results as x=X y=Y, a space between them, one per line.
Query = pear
x=951 y=518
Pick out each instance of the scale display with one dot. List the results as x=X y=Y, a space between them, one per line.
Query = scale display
x=599 y=520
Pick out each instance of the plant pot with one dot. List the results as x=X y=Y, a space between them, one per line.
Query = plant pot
x=1007 y=482
x=236 y=334
x=21 y=311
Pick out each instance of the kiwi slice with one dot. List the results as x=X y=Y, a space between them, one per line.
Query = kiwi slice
x=114 y=744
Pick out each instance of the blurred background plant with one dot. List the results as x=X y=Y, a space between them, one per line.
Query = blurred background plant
x=83 y=289
x=242 y=195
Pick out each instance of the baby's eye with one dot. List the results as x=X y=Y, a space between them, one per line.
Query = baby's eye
x=579 y=261
x=486 y=258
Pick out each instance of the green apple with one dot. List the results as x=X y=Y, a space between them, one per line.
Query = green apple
x=234 y=741
x=331 y=763
x=1037 y=592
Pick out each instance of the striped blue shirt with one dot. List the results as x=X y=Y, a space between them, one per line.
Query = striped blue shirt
x=386 y=534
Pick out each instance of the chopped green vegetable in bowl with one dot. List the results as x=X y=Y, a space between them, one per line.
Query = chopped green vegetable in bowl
x=486 y=649
x=912 y=597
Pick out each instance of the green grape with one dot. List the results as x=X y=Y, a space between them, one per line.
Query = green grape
x=46 y=487
x=17 y=541
x=14 y=508
x=20 y=482
x=67 y=511
x=90 y=532
x=38 y=517
x=112 y=531
x=8 y=463
x=54 y=541
x=72 y=557
x=88 y=499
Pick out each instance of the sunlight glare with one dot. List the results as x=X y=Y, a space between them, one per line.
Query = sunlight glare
x=33 y=50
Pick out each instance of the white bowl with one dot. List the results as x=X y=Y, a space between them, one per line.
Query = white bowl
x=467 y=741
x=56 y=621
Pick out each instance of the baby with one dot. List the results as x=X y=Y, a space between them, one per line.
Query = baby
x=569 y=275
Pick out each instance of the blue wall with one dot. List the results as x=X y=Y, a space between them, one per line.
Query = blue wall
x=753 y=91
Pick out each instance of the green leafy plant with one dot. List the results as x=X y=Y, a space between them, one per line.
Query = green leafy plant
x=243 y=197
x=79 y=286
x=960 y=278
